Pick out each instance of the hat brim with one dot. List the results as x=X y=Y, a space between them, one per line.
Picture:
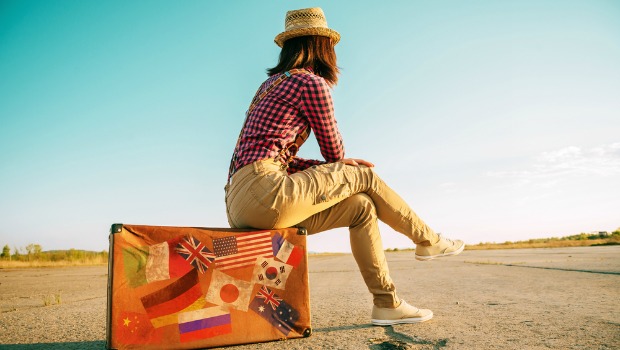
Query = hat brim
x=289 y=34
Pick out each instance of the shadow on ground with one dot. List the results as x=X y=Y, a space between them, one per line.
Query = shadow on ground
x=392 y=340
x=83 y=345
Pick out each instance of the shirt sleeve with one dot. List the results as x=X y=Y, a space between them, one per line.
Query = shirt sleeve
x=318 y=108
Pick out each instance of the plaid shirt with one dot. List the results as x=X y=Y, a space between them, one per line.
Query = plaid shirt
x=299 y=101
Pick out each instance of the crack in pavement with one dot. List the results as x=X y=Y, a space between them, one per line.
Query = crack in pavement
x=542 y=267
x=564 y=269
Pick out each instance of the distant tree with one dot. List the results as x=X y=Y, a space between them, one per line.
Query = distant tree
x=6 y=252
x=37 y=249
x=30 y=251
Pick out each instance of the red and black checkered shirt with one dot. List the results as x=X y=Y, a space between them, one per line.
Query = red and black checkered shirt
x=299 y=101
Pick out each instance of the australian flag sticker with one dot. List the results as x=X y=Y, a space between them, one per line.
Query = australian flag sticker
x=283 y=316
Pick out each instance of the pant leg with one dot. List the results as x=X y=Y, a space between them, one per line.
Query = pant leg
x=263 y=196
x=358 y=213
x=317 y=188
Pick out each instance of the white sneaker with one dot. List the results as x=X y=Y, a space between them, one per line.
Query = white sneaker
x=445 y=247
x=404 y=313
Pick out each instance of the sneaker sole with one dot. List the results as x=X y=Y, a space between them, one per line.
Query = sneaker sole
x=404 y=320
x=431 y=257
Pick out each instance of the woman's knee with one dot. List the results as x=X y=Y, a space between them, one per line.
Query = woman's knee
x=363 y=208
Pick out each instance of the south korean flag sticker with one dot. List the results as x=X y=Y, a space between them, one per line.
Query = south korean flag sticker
x=270 y=272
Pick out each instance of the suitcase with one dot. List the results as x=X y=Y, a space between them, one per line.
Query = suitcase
x=190 y=288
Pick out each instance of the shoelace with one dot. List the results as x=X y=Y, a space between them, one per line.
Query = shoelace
x=446 y=239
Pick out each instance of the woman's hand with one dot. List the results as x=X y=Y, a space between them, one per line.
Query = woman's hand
x=356 y=162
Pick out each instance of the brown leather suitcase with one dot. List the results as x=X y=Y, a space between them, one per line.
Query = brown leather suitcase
x=191 y=288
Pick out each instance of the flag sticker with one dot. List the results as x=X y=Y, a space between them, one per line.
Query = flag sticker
x=204 y=323
x=173 y=318
x=157 y=263
x=270 y=298
x=276 y=242
x=134 y=261
x=290 y=253
x=241 y=250
x=229 y=291
x=153 y=263
x=135 y=328
x=174 y=297
x=196 y=253
x=163 y=263
x=271 y=273
x=283 y=317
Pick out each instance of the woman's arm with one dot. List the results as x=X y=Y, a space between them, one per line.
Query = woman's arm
x=356 y=162
x=318 y=108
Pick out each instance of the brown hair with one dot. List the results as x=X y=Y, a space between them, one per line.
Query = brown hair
x=314 y=51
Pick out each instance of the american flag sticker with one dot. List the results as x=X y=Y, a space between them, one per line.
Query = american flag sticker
x=242 y=249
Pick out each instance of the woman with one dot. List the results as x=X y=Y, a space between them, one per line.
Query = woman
x=269 y=187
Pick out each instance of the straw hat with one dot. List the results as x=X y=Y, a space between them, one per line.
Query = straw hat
x=306 y=22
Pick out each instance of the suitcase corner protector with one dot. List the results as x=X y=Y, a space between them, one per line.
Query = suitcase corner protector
x=307 y=332
x=116 y=228
x=302 y=231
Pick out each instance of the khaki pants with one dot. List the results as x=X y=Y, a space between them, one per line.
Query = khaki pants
x=262 y=195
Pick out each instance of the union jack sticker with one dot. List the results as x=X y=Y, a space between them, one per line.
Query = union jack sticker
x=269 y=297
x=196 y=253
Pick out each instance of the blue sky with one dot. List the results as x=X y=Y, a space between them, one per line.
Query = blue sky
x=495 y=120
